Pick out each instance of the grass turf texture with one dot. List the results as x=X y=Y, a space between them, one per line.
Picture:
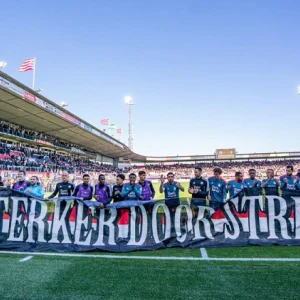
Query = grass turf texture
x=99 y=278
x=45 y=277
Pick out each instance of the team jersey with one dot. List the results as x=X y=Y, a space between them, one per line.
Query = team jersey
x=117 y=198
x=63 y=189
x=21 y=185
x=272 y=183
x=84 y=191
x=200 y=186
x=35 y=190
x=103 y=192
x=148 y=191
x=130 y=192
x=250 y=183
x=217 y=189
x=290 y=184
x=171 y=190
x=236 y=187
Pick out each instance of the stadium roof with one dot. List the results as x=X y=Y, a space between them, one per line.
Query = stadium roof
x=23 y=106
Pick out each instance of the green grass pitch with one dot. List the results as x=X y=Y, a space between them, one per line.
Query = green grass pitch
x=54 y=277
x=140 y=275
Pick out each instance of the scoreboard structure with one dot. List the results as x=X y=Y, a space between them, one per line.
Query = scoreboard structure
x=226 y=153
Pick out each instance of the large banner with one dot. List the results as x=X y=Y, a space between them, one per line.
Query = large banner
x=253 y=217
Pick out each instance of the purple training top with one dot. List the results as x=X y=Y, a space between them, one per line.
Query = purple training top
x=20 y=185
x=84 y=193
x=101 y=192
x=146 y=190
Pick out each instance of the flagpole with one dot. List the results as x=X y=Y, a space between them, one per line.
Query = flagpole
x=33 y=79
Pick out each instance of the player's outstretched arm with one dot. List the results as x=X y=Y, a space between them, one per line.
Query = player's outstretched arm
x=162 y=181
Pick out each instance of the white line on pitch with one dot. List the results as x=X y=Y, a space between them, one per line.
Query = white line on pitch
x=106 y=256
x=204 y=253
x=26 y=258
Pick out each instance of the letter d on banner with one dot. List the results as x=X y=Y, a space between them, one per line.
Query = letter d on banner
x=144 y=220
x=154 y=222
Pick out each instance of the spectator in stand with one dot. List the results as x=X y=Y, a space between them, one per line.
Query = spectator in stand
x=198 y=186
x=1 y=182
x=252 y=181
x=288 y=181
x=22 y=184
x=237 y=185
x=102 y=190
x=217 y=189
x=131 y=190
x=63 y=188
x=34 y=189
x=117 y=189
x=84 y=191
x=148 y=191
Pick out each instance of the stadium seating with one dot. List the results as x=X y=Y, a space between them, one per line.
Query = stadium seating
x=229 y=168
x=22 y=156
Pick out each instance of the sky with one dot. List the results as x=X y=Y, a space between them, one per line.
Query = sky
x=204 y=74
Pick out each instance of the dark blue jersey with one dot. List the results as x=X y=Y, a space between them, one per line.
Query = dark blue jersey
x=252 y=183
x=200 y=186
x=171 y=190
x=271 y=183
x=236 y=187
x=289 y=182
x=217 y=189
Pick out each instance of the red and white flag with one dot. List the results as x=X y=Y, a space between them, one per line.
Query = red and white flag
x=119 y=130
x=105 y=122
x=27 y=65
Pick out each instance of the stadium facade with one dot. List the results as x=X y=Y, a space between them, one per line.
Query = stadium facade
x=25 y=107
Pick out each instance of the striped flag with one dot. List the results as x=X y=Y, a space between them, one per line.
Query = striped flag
x=104 y=122
x=119 y=130
x=112 y=126
x=27 y=65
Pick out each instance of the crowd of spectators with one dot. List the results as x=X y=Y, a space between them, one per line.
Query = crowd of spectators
x=25 y=157
x=22 y=156
x=20 y=131
x=229 y=168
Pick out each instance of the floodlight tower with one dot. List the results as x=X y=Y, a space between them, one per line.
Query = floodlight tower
x=130 y=102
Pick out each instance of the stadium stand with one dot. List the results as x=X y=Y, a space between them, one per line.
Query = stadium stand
x=48 y=163
x=21 y=132
x=21 y=157
x=185 y=171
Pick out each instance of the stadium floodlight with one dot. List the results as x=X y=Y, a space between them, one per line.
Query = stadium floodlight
x=298 y=90
x=130 y=102
x=2 y=64
x=39 y=90
x=63 y=104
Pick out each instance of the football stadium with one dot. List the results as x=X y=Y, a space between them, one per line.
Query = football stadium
x=64 y=142
x=94 y=210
